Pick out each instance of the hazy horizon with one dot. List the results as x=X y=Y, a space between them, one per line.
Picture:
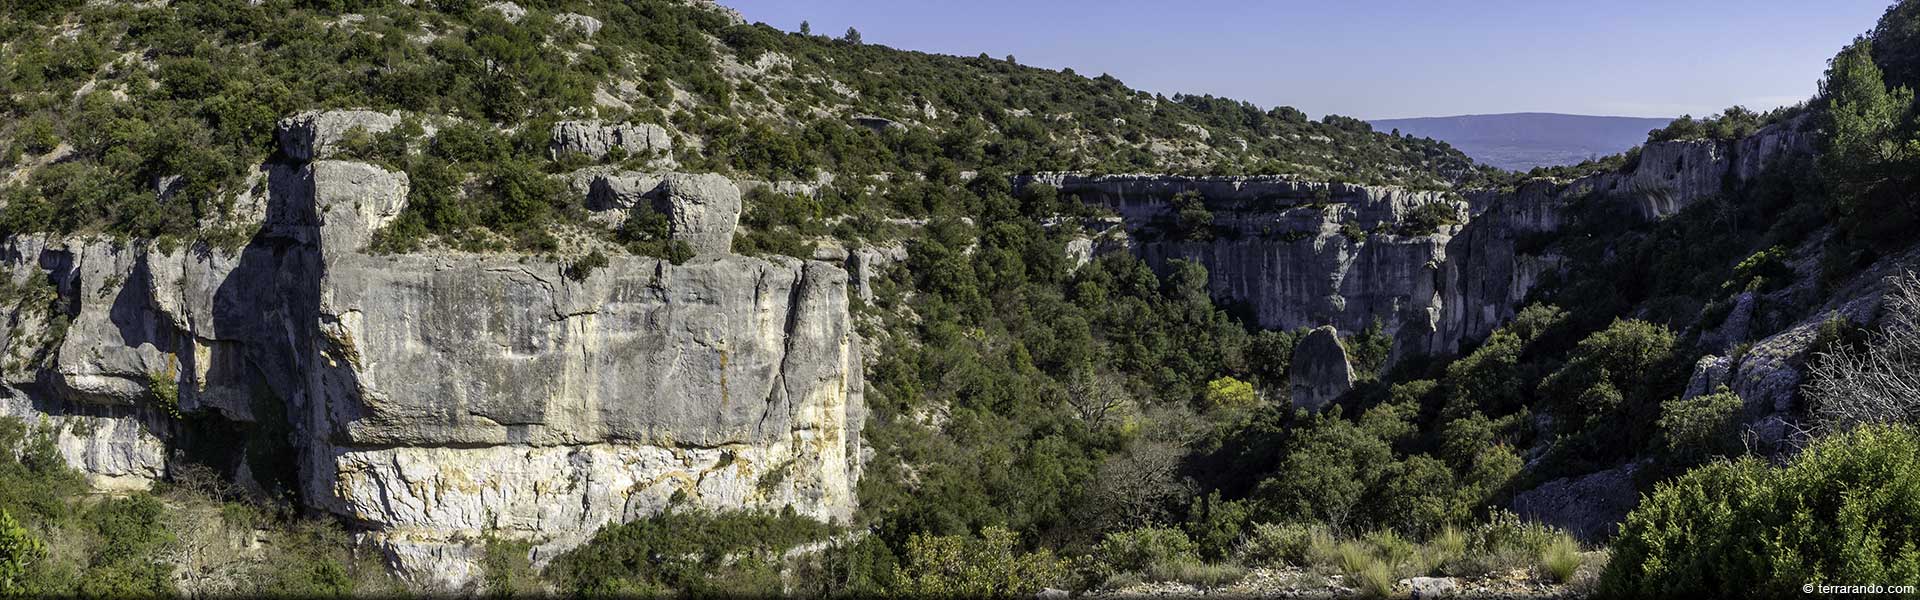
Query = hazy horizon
x=1389 y=59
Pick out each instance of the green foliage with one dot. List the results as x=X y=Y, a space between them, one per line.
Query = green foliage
x=583 y=268
x=1368 y=350
x=505 y=570
x=1560 y=559
x=1765 y=271
x=1428 y=218
x=1696 y=429
x=678 y=550
x=1227 y=393
x=1607 y=396
x=1138 y=549
x=1871 y=150
x=1277 y=544
x=1192 y=220
x=1215 y=524
x=1731 y=124
x=19 y=550
x=965 y=566
x=1846 y=509
x=133 y=536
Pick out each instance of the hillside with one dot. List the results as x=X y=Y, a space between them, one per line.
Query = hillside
x=583 y=298
x=1522 y=141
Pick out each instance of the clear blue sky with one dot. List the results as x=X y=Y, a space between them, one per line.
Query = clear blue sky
x=1389 y=58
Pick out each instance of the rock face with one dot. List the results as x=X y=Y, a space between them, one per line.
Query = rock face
x=702 y=210
x=1589 y=507
x=1320 y=373
x=1300 y=254
x=317 y=134
x=595 y=139
x=436 y=398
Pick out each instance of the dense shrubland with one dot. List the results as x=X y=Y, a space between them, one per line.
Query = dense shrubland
x=131 y=96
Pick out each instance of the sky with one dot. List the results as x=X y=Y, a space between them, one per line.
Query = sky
x=1377 y=59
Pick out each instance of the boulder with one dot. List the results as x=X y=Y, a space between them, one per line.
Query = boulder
x=702 y=210
x=1431 y=587
x=1320 y=372
x=317 y=134
x=595 y=139
x=578 y=22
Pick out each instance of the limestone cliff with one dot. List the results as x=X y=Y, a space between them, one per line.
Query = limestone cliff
x=436 y=398
x=1437 y=269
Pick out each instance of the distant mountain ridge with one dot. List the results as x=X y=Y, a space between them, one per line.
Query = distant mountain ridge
x=1522 y=141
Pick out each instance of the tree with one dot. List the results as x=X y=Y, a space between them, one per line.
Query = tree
x=852 y=36
x=1868 y=159
x=806 y=28
x=1227 y=393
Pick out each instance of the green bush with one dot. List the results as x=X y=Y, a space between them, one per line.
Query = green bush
x=1275 y=544
x=678 y=550
x=1845 y=510
x=19 y=550
x=1696 y=429
x=964 y=566
x=1139 y=549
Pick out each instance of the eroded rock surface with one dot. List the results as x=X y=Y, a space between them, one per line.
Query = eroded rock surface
x=432 y=399
x=1320 y=371
x=595 y=139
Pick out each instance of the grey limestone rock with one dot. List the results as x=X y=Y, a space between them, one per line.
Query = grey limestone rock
x=317 y=134
x=1320 y=372
x=595 y=139
x=578 y=22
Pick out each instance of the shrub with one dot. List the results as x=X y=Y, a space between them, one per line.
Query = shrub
x=1846 y=509
x=1696 y=429
x=987 y=566
x=19 y=549
x=1139 y=549
x=505 y=569
x=677 y=550
x=583 y=268
x=1273 y=544
x=1215 y=524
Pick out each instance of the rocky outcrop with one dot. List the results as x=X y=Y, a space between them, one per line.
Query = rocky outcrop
x=595 y=139
x=587 y=26
x=1301 y=254
x=1589 y=507
x=1320 y=372
x=433 y=399
x=318 y=134
x=702 y=209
